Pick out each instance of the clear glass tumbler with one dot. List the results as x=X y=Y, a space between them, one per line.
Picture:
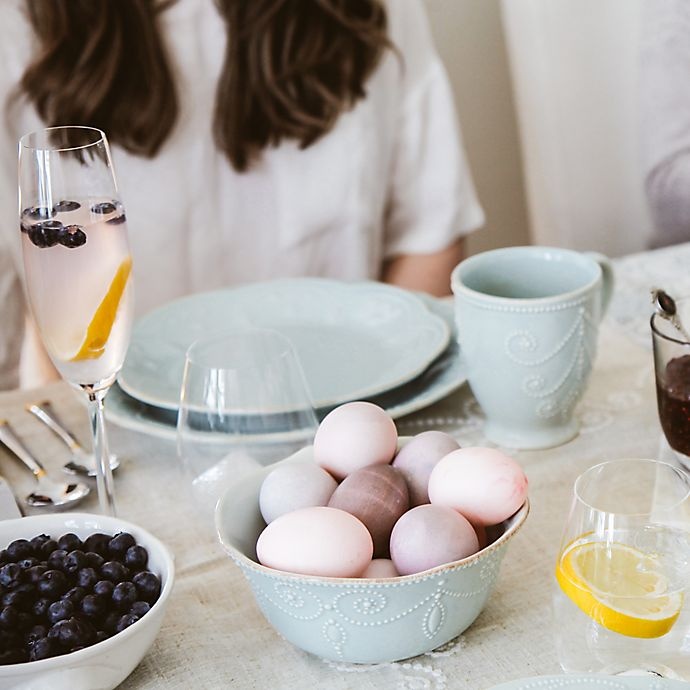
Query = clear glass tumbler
x=244 y=402
x=623 y=572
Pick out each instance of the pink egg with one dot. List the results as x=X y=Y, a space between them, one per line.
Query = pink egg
x=484 y=484
x=378 y=496
x=418 y=457
x=316 y=541
x=380 y=567
x=292 y=486
x=354 y=435
x=430 y=535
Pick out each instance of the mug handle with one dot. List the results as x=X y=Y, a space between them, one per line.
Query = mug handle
x=607 y=279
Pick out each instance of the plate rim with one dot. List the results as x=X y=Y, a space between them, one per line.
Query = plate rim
x=413 y=300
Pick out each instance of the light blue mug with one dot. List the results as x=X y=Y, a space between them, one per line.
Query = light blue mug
x=527 y=320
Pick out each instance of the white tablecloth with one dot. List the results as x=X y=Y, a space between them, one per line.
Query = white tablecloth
x=214 y=635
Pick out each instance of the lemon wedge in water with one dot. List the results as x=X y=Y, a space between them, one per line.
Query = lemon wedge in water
x=101 y=324
x=617 y=587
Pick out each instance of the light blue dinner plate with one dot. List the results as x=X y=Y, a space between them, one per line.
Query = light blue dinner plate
x=354 y=340
x=445 y=374
x=592 y=682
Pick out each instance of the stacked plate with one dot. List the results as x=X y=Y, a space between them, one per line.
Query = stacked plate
x=355 y=341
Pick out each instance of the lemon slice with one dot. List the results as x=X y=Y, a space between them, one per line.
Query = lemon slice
x=101 y=324
x=617 y=586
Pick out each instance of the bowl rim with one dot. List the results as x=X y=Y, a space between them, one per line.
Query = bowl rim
x=29 y=667
x=518 y=519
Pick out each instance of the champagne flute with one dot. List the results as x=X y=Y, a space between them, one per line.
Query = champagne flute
x=77 y=264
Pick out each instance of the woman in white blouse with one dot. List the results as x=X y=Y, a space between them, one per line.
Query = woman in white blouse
x=251 y=140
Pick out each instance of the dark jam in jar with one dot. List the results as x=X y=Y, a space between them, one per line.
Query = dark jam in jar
x=673 y=400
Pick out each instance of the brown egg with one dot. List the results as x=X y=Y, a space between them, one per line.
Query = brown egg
x=378 y=496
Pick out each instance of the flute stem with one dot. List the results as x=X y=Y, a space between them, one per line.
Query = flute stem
x=104 y=475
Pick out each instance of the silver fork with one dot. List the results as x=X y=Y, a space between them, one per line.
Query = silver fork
x=82 y=461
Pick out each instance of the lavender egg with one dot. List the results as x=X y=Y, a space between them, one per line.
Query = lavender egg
x=430 y=535
x=294 y=486
x=380 y=568
x=378 y=496
x=418 y=457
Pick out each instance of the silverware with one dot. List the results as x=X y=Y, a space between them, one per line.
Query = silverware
x=8 y=504
x=82 y=461
x=49 y=493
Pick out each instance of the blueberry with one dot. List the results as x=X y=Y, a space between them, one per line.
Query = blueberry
x=42 y=648
x=118 y=545
x=93 y=606
x=19 y=549
x=114 y=571
x=27 y=563
x=56 y=560
x=93 y=560
x=52 y=584
x=11 y=575
x=69 y=542
x=9 y=617
x=104 y=588
x=45 y=234
x=16 y=597
x=74 y=561
x=98 y=543
x=87 y=578
x=110 y=621
x=136 y=557
x=15 y=655
x=47 y=548
x=40 y=607
x=124 y=595
x=4 y=558
x=72 y=236
x=140 y=608
x=64 y=206
x=148 y=585
x=35 y=633
x=60 y=610
x=117 y=220
x=71 y=632
x=38 y=541
x=75 y=594
x=102 y=635
x=38 y=213
x=35 y=573
x=104 y=208
x=125 y=621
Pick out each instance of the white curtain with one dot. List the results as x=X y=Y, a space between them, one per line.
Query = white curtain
x=574 y=68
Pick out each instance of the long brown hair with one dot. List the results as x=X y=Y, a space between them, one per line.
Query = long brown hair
x=291 y=68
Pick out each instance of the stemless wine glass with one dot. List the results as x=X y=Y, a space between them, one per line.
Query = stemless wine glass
x=623 y=572
x=244 y=402
x=77 y=263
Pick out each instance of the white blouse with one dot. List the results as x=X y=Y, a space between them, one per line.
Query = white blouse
x=390 y=179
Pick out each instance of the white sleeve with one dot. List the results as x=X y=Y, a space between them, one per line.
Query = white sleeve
x=431 y=199
x=665 y=116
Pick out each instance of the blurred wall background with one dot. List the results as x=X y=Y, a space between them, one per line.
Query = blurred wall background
x=546 y=93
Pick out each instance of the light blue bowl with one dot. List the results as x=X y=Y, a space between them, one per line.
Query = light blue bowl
x=359 y=620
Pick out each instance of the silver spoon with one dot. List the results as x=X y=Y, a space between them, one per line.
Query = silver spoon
x=82 y=461
x=666 y=308
x=49 y=493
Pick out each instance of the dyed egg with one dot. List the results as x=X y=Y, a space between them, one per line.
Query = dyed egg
x=484 y=484
x=380 y=567
x=316 y=541
x=294 y=486
x=378 y=496
x=418 y=457
x=353 y=436
x=430 y=535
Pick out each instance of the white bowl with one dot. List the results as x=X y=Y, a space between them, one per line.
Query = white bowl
x=353 y=619
x=106 y=664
